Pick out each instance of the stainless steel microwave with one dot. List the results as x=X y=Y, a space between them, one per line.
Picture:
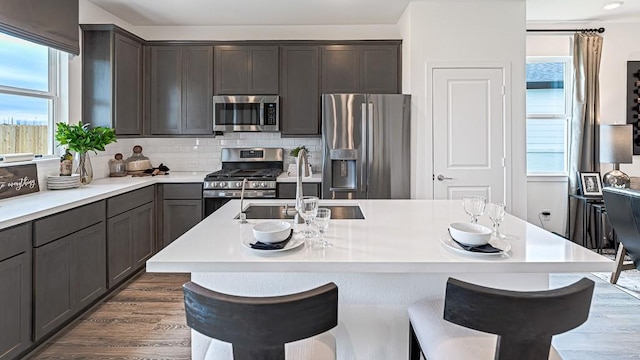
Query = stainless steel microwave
x=246 y=113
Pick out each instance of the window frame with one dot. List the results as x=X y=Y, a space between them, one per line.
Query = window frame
x=565 y=117
x=53 y=94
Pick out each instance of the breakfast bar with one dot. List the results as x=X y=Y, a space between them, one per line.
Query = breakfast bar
x=398 y=254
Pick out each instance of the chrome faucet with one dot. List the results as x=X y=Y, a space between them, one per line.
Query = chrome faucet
x=243 y=216
x=303 y=165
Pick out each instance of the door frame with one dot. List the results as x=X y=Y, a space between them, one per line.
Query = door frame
x=505 y=67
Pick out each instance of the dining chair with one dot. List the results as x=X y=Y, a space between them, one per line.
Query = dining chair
x=623 y=212
x=244 y=328
x=486 y=323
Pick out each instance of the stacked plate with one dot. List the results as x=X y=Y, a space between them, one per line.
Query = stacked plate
x=57 y=182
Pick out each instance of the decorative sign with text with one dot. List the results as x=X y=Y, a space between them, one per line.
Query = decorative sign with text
x=18 y=180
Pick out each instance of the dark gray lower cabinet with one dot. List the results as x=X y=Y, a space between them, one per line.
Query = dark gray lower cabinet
x=178 y=217
x=288 y=190
x=15 y=291
x=69 y=274
x=130 y=242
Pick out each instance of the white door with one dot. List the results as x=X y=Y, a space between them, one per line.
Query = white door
x=468 y=133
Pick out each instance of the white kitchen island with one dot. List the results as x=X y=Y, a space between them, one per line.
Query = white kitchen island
x=381 y=264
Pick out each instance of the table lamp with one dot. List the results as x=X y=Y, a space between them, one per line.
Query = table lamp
x=616 y=147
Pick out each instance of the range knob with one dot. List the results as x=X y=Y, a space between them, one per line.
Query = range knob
x=239 y=184
x=222 y=184
x=263 y=184
x=255 y=184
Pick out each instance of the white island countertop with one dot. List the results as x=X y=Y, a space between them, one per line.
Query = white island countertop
x=19 y=209
x=397 y=236
x=381 y=264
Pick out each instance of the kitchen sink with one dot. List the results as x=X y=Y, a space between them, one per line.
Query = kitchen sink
x=339 y=212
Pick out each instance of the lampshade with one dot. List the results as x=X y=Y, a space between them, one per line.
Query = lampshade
x=616 y=144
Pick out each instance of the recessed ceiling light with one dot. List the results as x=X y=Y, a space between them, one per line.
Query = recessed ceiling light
x=613 y=5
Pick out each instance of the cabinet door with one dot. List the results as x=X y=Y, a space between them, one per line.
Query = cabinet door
x=166 y=90
x=232 y=69
x=379 y=66
x=263 y=70
x=15 y=305
x=119 y=244
x=340 y=69
x=288 y=190
x=300 y=111
x=53 y=285
x=143 y=235
x=89 y=269
x=197 y=117
x=127 y=105
x=178 y=217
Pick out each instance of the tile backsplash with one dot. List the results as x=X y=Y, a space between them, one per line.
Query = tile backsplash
x=202 y=154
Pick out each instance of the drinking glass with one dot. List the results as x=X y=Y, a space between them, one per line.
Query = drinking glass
x=496 y=214
x=322 y=223
x=308 y=208
x=474 y=206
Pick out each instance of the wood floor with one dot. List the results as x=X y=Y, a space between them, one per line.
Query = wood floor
x=145 y=320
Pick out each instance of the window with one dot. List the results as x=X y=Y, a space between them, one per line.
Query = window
x=549 y=91
x=29 y=96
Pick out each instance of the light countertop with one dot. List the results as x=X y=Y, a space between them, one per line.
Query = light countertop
x=19 y=209
x=285 y=178
x=397 y=236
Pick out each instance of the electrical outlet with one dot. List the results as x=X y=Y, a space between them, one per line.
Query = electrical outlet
x=545 y=214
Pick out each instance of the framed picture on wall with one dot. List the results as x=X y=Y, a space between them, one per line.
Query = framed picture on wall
x=590 y=184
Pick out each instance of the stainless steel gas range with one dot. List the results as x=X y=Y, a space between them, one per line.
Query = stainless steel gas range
x=259 y=166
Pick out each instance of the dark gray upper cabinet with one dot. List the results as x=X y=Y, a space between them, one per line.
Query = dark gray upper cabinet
x=166 y=90
x=360 y=69
x=181 y=90
x=112 y=79
x=15 y=291
x=300 y=92
x=379 y=69
x=246 y=70
x=340 y=69
x=197 y=117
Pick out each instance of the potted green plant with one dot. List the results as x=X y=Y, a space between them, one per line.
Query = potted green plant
x=294 y=152
x=81 y=139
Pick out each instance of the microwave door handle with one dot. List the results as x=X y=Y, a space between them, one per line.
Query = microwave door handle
x=260 y=121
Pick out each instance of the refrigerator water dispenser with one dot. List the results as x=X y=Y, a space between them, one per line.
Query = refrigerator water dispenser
x=343 y=170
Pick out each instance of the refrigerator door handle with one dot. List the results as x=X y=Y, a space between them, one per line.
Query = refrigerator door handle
x=364 y=160
x=370 y=134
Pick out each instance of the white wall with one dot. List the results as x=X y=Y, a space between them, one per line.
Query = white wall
x=488 y=31
x=620 y=45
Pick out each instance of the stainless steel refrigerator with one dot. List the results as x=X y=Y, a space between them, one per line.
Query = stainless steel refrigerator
x=366 y=139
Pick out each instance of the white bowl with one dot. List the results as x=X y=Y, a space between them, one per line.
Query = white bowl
x=470 y=234
x=272 y=231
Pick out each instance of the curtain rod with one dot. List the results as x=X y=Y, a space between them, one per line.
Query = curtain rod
x=598 y=30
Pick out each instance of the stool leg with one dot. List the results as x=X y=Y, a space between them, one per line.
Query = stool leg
x=619 y=264
x=414 y=345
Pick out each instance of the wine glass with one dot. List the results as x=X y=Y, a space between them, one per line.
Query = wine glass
x=322 y=223
x=496 y=213
x=474 y=206
x=308 y=208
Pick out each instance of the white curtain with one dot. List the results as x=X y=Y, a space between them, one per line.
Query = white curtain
x=583 y=130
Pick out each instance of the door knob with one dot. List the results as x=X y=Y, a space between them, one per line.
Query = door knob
x=442 y=178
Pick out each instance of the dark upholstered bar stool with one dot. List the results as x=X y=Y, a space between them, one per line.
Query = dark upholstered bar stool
x=249 y=328
x=524 y=322
x=623 y=211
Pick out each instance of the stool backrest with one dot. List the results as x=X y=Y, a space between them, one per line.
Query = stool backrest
x=258 y=327
x=525 y=322
x=623 y=212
